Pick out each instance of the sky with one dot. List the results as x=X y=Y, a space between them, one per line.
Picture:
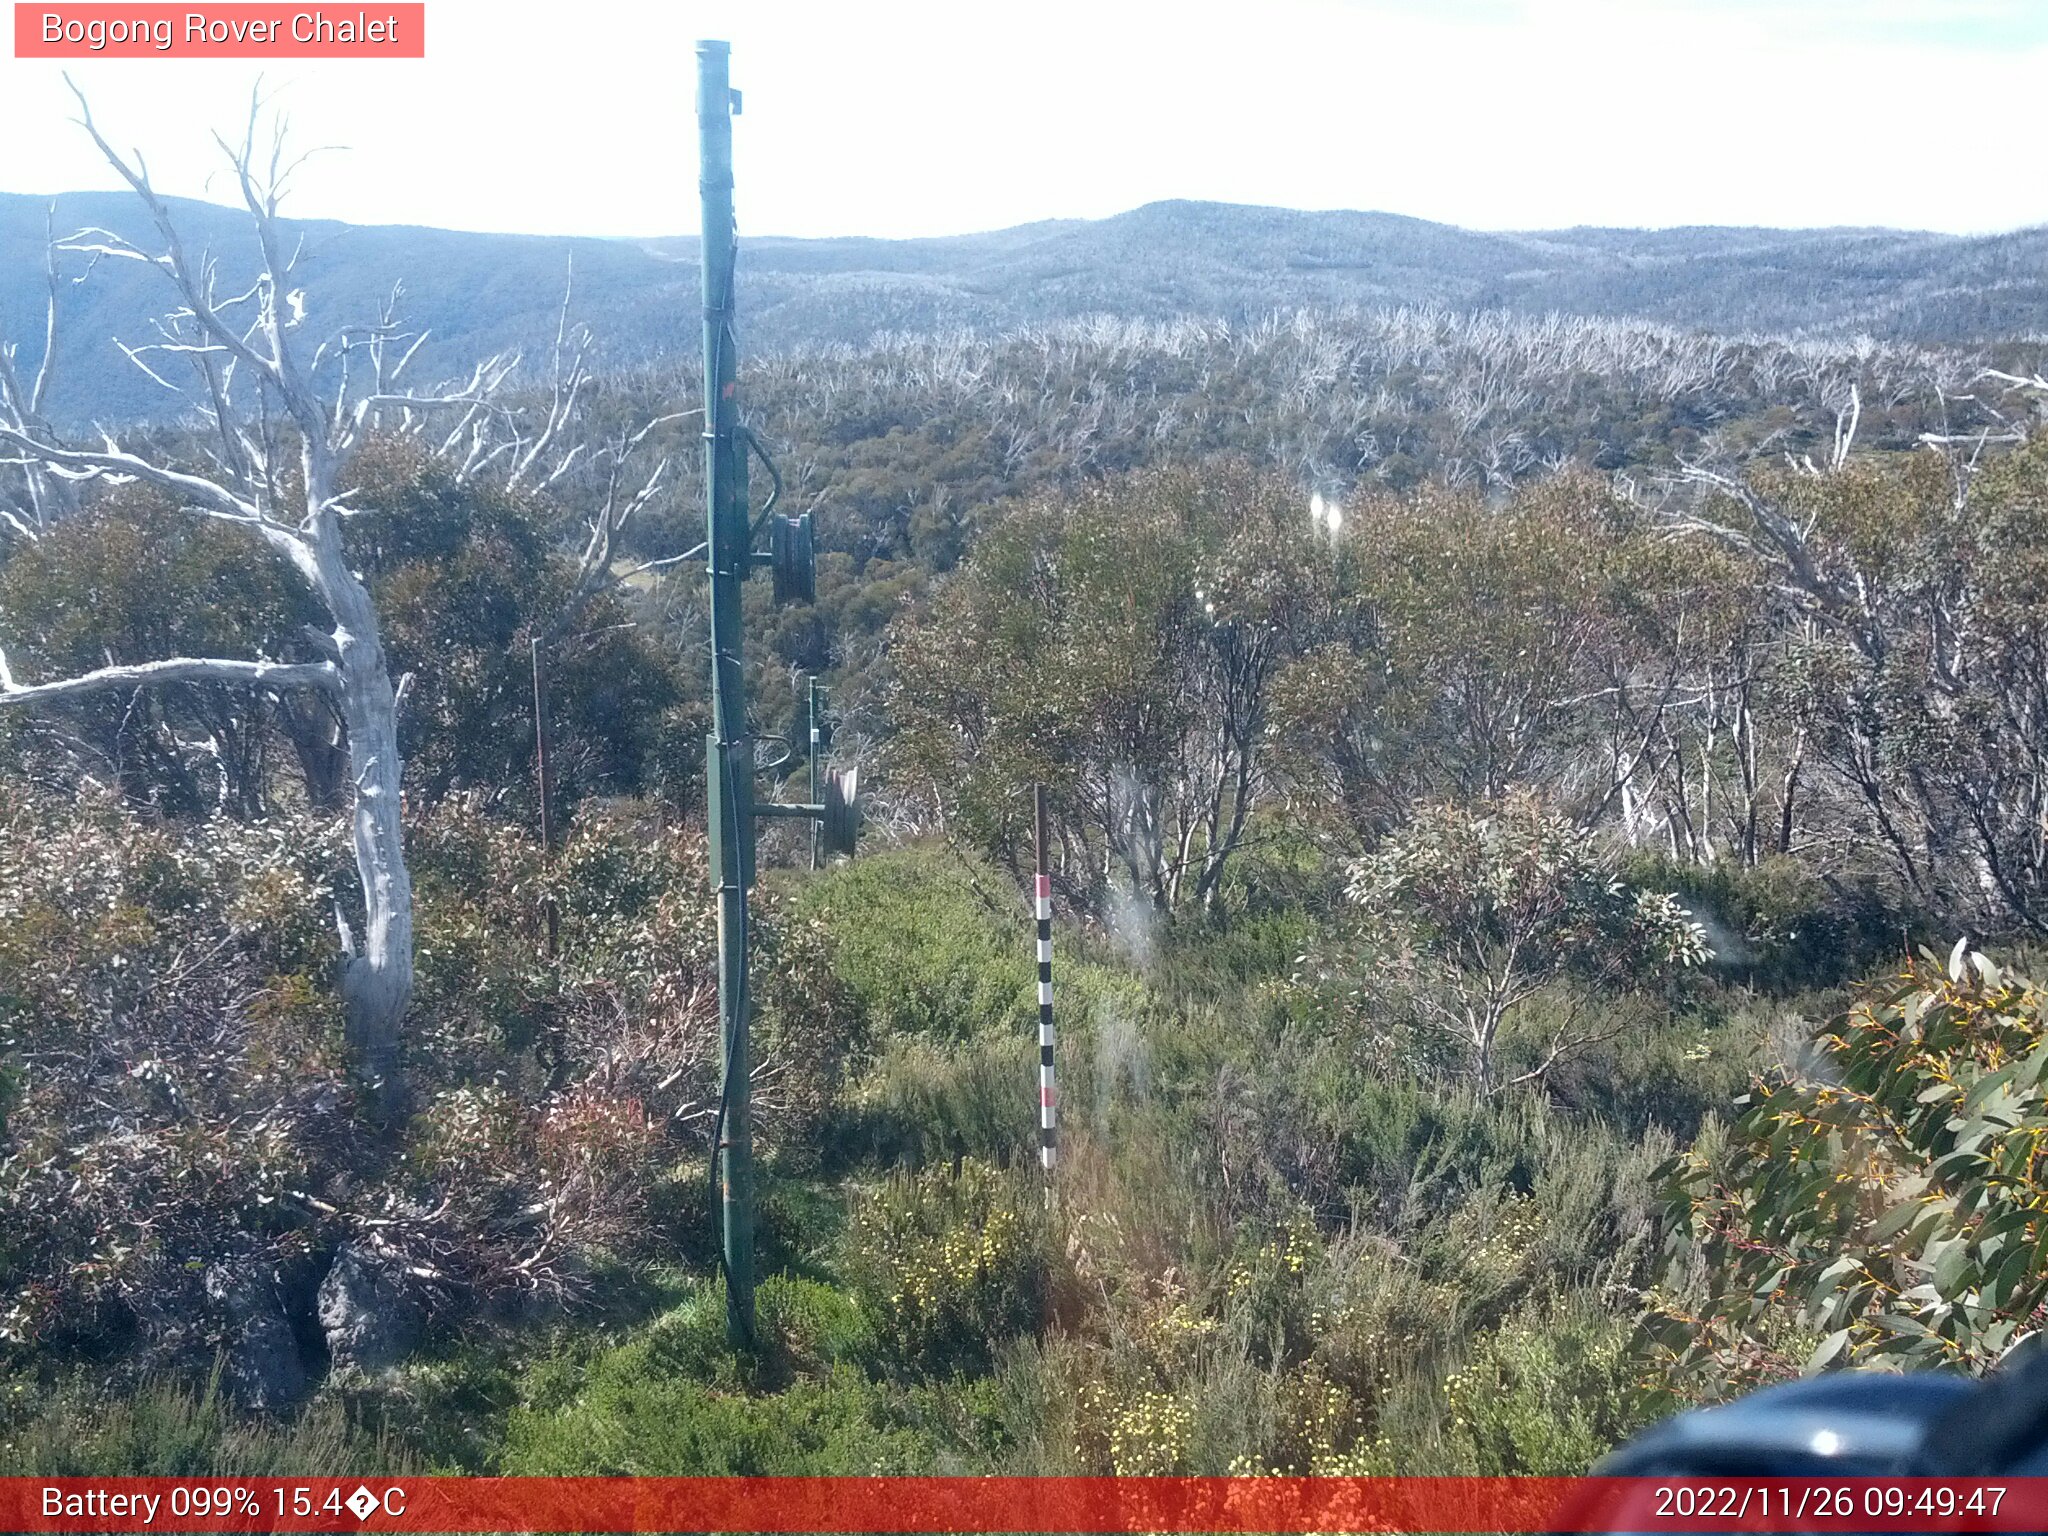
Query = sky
x=915 y=117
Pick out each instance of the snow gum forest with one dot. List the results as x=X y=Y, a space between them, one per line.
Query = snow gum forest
x=1547 y=782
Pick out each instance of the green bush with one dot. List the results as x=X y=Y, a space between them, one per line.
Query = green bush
x=1409 y=1150
x=927 y=943
x=923 y=1101
x=813 y=1326
x=1547 y=1394
x=950 y=1263
x=1775 y=926
x=1476 y=916
x=1882 y=1201
x=624 y=1423
x=167 y=1429
x=1669 y=1070
x=675 y=1400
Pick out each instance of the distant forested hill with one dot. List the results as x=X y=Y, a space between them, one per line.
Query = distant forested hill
x=480 y=293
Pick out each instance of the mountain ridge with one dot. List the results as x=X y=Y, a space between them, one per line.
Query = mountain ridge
x=1174 y=257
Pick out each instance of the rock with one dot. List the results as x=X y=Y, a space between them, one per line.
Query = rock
x=260 y=1364
x=368 y=1311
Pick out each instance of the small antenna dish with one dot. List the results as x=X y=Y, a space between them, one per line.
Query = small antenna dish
x=794 y=556
x=840 y=826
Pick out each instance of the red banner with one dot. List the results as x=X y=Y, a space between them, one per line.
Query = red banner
x=994 y=1504
x=227 y=31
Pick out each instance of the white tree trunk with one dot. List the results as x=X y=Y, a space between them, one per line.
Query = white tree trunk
x=376 y=972
x=253 y=490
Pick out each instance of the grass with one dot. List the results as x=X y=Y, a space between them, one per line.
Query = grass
x=1268 y=1253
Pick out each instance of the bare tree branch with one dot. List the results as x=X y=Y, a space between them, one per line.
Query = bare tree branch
x=180 y=669
x=113 y=460
x=566 y=388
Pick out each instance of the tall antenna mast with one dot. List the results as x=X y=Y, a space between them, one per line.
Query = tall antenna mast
x=730 y=759
x=730 y=529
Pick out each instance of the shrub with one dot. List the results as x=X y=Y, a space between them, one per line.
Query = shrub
x=1668 y=1072
x=814 y=1326
x=1266 y=1289
x=839 y=1426
x=923 y=1101
x=1885 y=1198
x=184 y=1082
x=164 y=1429
x=950 y=1264
x=1776 y=926
x=1474 y=913
x=676 y=1401
x=1547 y=1394
x=1144 y=1433
x=183 y=1153
x=927 y=943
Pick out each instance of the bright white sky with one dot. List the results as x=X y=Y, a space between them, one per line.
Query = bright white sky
x=914 y=117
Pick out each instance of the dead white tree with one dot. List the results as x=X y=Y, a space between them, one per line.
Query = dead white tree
x=277 y=444
x=33 y=497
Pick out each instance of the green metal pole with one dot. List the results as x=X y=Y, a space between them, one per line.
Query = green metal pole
x=729 y=759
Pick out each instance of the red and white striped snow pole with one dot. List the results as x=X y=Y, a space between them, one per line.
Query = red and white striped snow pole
x=1048 y=1107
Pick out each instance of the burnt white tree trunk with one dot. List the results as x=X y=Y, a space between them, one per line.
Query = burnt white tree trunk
x=273 y=467
x=376 y=972
x=377 y=964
